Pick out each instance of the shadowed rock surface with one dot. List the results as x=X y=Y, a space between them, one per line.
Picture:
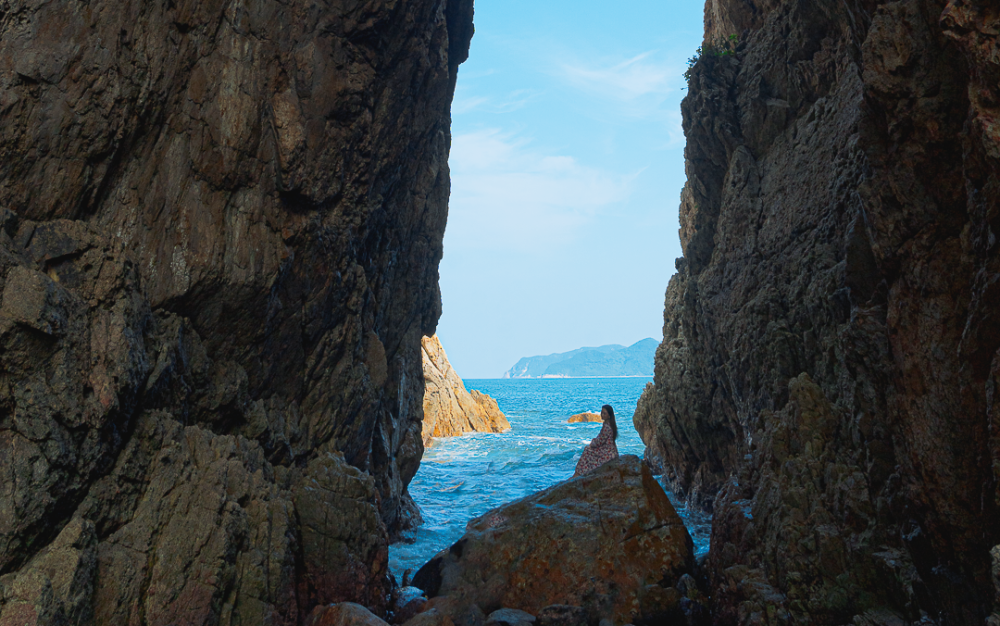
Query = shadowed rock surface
x=450 y=410
x=220 y=226
x=829 y=366
x=596 y=542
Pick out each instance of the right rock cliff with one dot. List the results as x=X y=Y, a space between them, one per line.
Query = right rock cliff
x=827 y=382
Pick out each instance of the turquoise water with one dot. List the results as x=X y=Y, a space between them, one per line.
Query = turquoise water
x=463 y=477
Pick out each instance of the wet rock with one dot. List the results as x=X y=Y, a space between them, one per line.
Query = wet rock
x=406 y=603
x=584 y=417
x=510 y=617
x=562 y=615
x=594 y=541
x=450 y=410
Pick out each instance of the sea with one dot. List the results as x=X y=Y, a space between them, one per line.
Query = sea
x=461 y=478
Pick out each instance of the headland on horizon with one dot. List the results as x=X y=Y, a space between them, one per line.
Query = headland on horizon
x=609 y=361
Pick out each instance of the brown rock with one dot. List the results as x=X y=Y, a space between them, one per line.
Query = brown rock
x=594 y=541
x=56 y=585
x=580 y=418
x=460 y=611
x=562 y=615
x=830 y=360
x=658 y=605
x=406 y=602
x=450 y=410
x=220 y=226
x=430 y=617
x=344 y=614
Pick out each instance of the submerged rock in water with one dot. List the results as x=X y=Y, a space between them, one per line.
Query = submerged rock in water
x=595 y=541
x=450 y=410
x=581 y=418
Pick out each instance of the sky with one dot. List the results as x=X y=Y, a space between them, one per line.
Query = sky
x=567 y=163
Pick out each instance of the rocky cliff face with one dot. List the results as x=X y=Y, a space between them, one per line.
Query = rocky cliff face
x=829 y=369
x=220 y=225
x=449 y=409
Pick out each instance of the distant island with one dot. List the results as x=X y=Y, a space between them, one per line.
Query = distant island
x=611 y=360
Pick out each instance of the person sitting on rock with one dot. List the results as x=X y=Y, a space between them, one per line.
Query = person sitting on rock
x=602 y=449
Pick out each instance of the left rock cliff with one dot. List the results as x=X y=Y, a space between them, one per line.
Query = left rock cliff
x=220 y=227
x=450 y=410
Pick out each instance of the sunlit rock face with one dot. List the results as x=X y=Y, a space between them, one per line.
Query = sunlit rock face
x=449 y=409
x=828 y=374
x=608 y=542
x=220 y=226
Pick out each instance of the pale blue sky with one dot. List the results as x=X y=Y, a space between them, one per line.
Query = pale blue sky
x=567 y=164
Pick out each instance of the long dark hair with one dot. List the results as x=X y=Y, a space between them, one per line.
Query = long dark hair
x=611 y=419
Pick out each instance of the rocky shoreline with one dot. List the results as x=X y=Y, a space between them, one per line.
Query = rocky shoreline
x=450 y=410
x=603 y=548
x=220 y=229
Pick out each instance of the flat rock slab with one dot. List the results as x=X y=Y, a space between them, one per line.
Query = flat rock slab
x=595 y=541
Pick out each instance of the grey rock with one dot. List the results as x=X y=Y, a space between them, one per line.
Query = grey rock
x=510 y=617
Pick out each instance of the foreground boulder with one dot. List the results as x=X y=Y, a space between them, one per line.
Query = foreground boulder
x=450 y=410
x=596 y=541
x=344 y=614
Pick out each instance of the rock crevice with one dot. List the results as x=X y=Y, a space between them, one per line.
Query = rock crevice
x=826 y=378
x=220 y=226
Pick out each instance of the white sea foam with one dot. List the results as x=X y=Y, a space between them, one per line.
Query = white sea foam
x=461 y=478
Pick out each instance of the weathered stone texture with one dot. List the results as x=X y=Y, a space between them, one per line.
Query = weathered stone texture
x=450 y=410
x=220 y=226
x=828 y=370
x=606 y=542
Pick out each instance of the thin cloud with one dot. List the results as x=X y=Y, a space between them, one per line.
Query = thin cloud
x=642 y=87
x=508 y=195
x=460 y=105
x=629 y=80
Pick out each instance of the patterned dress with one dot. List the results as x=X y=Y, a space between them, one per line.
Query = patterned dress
x=598 y=452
